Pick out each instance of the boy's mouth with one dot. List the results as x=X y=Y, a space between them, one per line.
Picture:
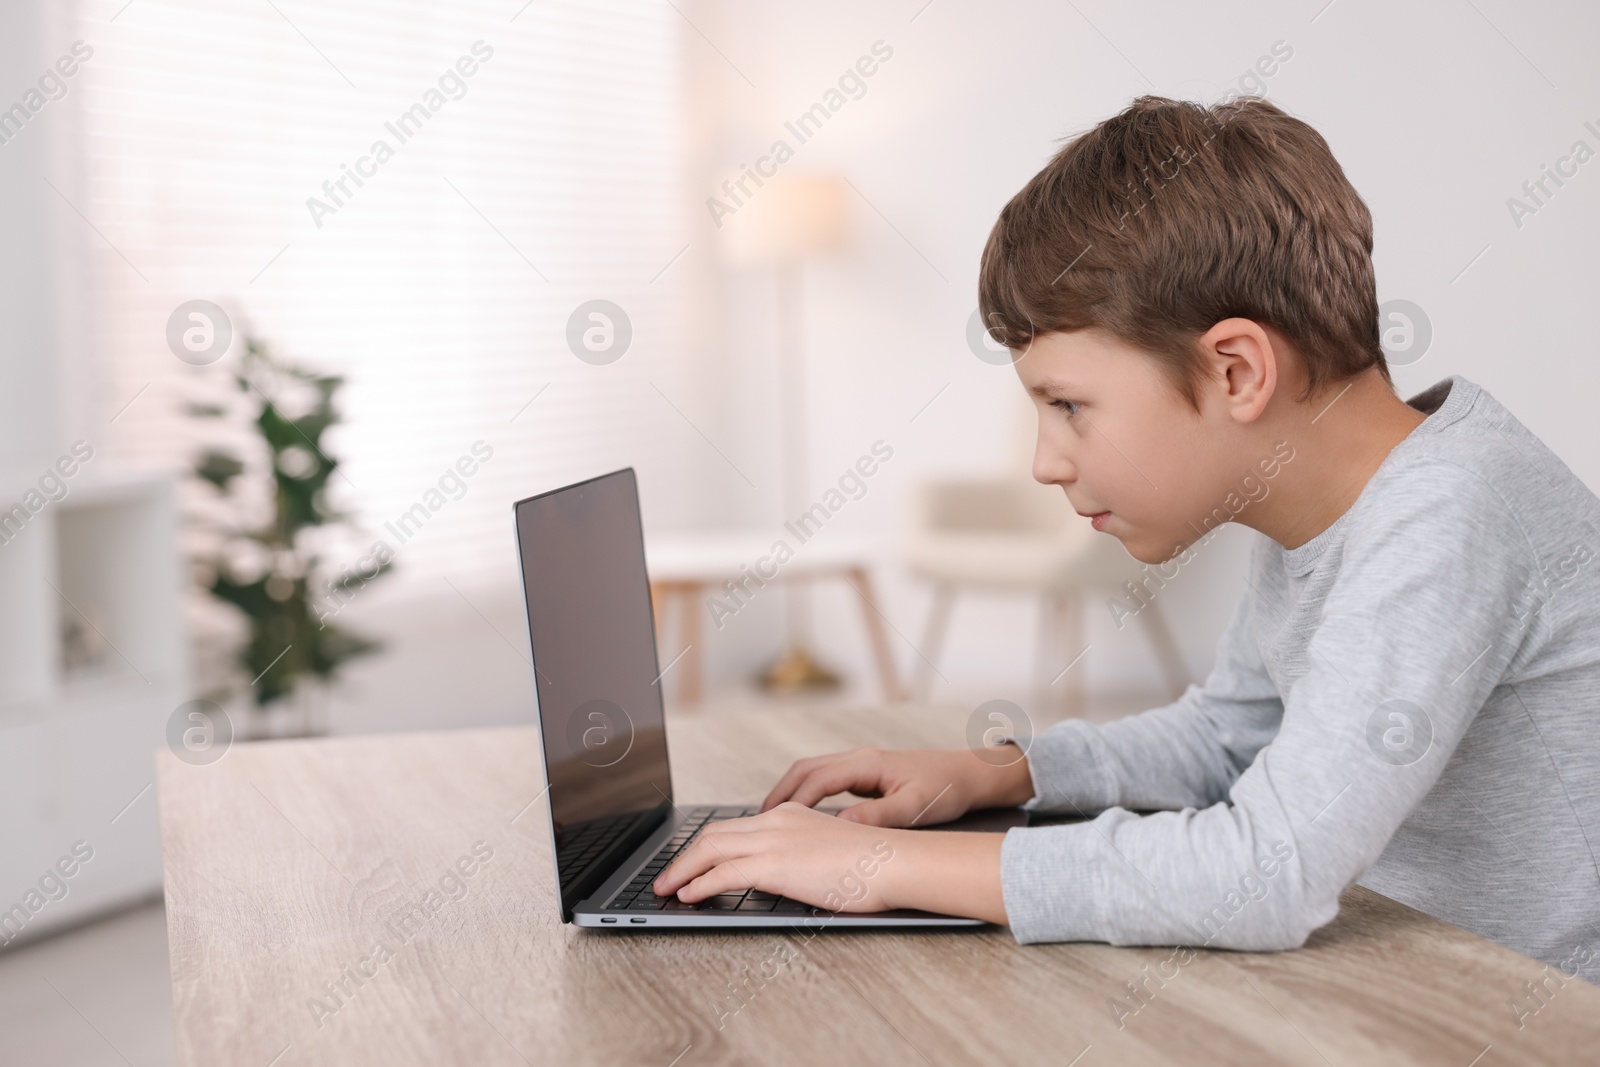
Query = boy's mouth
x=1097 y=519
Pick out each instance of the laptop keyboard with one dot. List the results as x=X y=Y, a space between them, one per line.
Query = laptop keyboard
x=579 y=850
x=638 y=896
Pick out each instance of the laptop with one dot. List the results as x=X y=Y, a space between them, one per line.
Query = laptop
x=603 y=737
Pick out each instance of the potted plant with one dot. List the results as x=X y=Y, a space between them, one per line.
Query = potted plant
x=266 y=558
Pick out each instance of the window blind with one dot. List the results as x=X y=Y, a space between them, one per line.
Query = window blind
x=529 y=165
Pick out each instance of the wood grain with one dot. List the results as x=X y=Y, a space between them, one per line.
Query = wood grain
x=288 y=863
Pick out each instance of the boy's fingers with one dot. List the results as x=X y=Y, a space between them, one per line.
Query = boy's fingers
x=793 y=777
x=896 y=809
x=721 y=874
x=801 y=770
x=706 y=851
x=852 y=775
x=809 y=789
x=723 y=878
x=680 y=870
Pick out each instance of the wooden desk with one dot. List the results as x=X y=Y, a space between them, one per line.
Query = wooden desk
x=289 y=863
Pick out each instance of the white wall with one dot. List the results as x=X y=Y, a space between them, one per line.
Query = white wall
x=1436 y=117
x=29 y=401
x=1438 y=112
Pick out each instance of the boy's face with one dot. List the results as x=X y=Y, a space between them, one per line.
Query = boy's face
x=1126 y=448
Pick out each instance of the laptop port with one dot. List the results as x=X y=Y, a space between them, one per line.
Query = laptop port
x=609 y=919
x=638 y=919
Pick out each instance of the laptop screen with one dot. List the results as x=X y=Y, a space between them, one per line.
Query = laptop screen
x=595 y=673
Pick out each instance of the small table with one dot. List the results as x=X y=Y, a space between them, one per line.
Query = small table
x=389 y=900
x=692 y=568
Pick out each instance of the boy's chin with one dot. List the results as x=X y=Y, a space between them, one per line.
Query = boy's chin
x=1146 y=549
x=1143 y=549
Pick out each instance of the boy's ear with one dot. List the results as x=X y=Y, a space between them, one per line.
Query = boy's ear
x=1243 y=360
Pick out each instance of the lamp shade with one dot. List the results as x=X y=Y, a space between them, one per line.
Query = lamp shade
x=788 y=217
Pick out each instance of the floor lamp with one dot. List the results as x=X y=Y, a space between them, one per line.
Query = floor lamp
x=784 y=221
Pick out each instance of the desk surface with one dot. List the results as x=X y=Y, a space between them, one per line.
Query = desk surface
x=290 y=867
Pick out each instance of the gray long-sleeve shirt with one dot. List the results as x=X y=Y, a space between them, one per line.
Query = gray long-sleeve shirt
x=1410 y=700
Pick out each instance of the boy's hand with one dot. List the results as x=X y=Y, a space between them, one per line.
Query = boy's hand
x=793 y=851
x=916 y=788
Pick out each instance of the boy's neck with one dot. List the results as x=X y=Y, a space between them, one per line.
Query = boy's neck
x=1340 y=438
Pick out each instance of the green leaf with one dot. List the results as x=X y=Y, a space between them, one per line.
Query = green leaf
x=219 y=468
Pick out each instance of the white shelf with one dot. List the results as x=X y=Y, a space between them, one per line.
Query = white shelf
x=27 y=617
x=89 y=597
x=92 y=664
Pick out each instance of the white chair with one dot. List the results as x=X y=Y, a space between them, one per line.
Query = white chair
x=1021 y=537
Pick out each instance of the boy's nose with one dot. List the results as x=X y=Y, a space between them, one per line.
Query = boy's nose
x=1051 y=467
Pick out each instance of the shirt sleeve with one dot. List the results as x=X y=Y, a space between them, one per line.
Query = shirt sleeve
x=1417 y=630
x=1186 y=754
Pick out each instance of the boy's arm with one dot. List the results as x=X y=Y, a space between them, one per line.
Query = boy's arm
x=1187 y=754
x=1416 y=633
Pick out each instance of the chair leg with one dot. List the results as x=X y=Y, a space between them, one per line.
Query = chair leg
x=1068 y=611
x=1172 y=668
x=875 y=632
x=1043 y=645
x=944 y=595
x=689 y=598
x=658 y=606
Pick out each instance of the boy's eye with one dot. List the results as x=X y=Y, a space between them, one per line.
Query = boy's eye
x=1071 y=407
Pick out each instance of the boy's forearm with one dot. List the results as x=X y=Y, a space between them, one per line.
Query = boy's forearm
x=946 y=871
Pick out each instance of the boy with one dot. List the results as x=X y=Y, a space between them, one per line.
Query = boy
x=1408 y=694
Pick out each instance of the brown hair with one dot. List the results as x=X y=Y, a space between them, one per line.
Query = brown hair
x=1168 y=218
